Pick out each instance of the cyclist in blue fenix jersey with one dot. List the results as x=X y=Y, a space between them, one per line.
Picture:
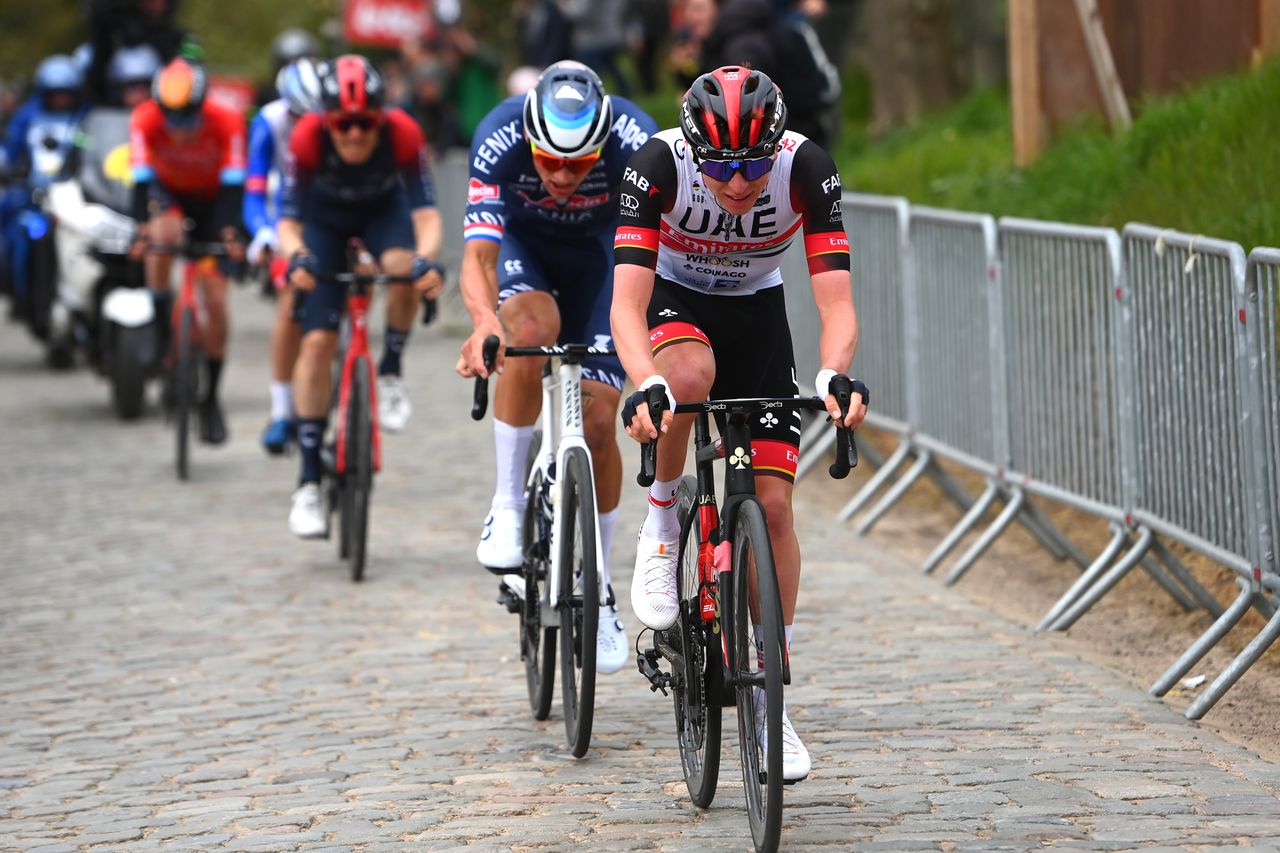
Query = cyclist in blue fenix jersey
x=537 y=268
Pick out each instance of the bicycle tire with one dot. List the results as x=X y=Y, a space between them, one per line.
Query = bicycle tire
x=183 y=387
x=761 y=769
x=359 y=466
x=537 y=643
x=132 y=353
x=579 y=604
x=697 y=719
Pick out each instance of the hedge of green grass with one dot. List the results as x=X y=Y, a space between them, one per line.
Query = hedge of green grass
x=1202 y=162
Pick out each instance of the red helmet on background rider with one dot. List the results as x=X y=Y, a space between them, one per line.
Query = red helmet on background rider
x=180 y=89
x=734 y=115
x=351 y=84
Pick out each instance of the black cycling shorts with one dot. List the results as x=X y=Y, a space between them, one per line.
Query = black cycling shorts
x=751 y=342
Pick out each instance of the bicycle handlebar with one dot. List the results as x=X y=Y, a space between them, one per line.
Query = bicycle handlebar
x=374 y=278
x=489 y=353
x=480 y=403
x=656 y=399
x=846 y=447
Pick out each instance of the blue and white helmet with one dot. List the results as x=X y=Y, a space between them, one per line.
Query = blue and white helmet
x=298 y=83
x=133 y=65
x=58 y=73
x=568 y=113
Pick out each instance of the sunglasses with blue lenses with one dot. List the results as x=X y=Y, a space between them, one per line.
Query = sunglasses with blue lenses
x=723 y=170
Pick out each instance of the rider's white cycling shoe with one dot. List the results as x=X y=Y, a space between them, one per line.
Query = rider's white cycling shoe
x=307 y=516
x=612 y=648
x=394 y=409
x=653 y=586
x=500 y=549
x=795 y=758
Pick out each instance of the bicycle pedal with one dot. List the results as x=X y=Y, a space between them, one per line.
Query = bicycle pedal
x=508 y=598
x=647 y=663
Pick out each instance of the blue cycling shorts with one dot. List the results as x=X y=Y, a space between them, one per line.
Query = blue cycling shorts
x=578 y=273
x=327 y=230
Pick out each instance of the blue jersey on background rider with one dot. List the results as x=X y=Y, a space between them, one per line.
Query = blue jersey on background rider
x=537 y=267
x=298 y=86
x=37 y=142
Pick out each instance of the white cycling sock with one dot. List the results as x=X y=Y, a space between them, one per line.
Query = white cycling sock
x=662 y=522
x=281 y=400
x=511 y=445
x=608 y=521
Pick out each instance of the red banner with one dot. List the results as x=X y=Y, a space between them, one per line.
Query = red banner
x=235 y=92
x=386 y=23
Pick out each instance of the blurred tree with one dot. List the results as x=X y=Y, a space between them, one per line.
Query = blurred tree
x=31 y=30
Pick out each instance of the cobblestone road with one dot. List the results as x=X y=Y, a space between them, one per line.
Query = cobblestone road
x=180 y=673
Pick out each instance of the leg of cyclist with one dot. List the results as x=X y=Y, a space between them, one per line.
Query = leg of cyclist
x=312 y=377
x=529 y=318
x=286 y=339
x=163 y=229
x=690 y=367
x=394 y=408
x=213 y=287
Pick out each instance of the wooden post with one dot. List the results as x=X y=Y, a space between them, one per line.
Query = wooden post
x=1024 y=83
x=1104 y=67
x=1268 y=28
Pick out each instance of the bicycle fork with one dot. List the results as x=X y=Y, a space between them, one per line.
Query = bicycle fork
x=568 y=434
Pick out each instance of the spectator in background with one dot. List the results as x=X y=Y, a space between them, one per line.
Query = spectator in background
x=698 y=18
x=808 y=79
x=475 y=75
x=648 y=25
x=117 y=24
x=544 y=33
x=599 y=35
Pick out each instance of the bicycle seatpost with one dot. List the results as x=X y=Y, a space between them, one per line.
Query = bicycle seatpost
x=656 y=399
x=846 y=449
x=489 y=352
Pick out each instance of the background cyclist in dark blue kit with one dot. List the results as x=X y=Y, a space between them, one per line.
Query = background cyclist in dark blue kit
x=542 y=205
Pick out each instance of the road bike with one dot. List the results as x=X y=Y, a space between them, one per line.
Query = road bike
x=186 y=352
x=727 y=584
x=357 y=449
x=560 y=586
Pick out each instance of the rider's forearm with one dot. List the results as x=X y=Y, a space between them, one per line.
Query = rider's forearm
x=478 y=281
x=839 y=339
x=289 y=232
x=428 y=232
x=632 y=289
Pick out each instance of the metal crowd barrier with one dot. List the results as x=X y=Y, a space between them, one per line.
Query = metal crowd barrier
x=1070 y=401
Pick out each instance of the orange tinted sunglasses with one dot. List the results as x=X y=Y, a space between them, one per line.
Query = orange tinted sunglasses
x=575 y=165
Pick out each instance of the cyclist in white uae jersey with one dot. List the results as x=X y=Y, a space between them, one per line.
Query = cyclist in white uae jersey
x=707 y=212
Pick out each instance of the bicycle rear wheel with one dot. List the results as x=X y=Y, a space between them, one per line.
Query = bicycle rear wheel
x=184 y=380
x=537 y=643
x=697 y=721
x=579 y=606
x=758 y=667
x=359 y=476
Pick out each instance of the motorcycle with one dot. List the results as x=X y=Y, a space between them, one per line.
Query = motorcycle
x=104 y=308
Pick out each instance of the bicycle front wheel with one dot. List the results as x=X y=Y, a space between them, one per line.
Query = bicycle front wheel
x=579 y=605
x=184 y=379
x=758 y=674
x=537 y=643
x=359 y=476
x=697 y=720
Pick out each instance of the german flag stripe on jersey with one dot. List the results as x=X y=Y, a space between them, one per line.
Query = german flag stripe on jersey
x=779 y=458
x=667 y=334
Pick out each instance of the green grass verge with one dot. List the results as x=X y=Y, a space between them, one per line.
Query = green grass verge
x=1203 y=162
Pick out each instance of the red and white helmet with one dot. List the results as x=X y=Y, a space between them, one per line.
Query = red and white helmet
x=351 y=84
x=733 y=113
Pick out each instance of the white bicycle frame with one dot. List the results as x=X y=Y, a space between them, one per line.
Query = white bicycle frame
x=564 y=386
